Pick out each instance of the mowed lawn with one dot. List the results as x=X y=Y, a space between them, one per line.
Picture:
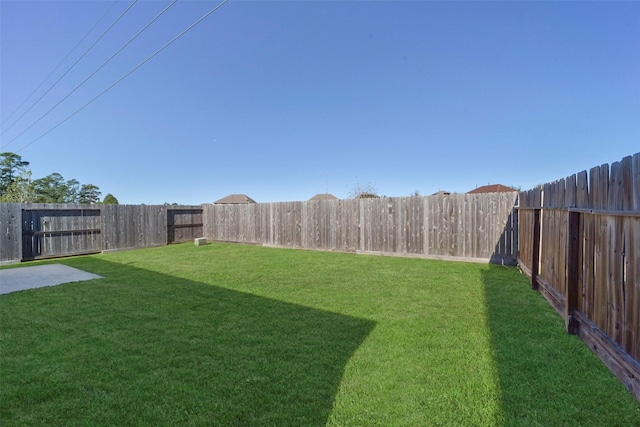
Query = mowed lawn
x=243 y=335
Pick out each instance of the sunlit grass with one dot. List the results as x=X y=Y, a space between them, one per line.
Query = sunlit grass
x=243 y=335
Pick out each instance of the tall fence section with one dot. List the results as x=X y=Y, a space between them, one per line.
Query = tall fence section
x=580 y=244
x=457 y=226
x=37 y=231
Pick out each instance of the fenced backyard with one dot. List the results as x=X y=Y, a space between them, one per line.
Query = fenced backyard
x=578 y=239
x=228 y=334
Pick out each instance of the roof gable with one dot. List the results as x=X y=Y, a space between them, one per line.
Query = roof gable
x=493 y=188
x=325 y=196
x=234 y=199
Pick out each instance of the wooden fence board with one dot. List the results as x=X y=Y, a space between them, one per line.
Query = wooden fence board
x=601 y=300
x=585 y=256
x=626 y=174
x=482 y=224
x=427 y=232
x=628 y=277
x=635 y=182
x=588 y=272
x=349 y=212
x=430 y=225
x=614 y=193
x=10 y=232
x=614 y=282
x=633 y=284
x=416 y=226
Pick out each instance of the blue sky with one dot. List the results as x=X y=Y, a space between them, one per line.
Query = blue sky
x=281 y=100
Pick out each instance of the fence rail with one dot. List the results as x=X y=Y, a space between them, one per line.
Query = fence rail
x=580 y=243
x=37 y=231
x=461 y=226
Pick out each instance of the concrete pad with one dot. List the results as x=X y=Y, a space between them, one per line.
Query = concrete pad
x=19 y=279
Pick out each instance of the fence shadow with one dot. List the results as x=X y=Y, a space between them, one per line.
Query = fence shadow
x=505 y=251
x=540 y=367
x=175 y=351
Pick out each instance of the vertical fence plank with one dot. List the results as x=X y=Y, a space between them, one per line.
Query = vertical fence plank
x=635 y=182
x=573 y=268
x=10 y=232
x=585 y=256
x=535 y=249
x=633 y=284
x=615 y=231
x=631 y=305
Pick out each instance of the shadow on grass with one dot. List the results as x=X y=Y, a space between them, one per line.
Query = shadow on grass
x=547 y=377
x=143 y=348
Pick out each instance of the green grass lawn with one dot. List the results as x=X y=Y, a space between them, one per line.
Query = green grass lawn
x=244 y=335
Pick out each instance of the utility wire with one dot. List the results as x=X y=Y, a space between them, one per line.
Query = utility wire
x=60 y=63
x=72 y=65
x=127 y=74
x=92 y=74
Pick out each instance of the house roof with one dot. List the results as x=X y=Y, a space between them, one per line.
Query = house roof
x=325 y=196
x=234 y=199
x=493 y=188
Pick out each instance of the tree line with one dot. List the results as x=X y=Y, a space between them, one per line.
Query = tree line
x=17 y=186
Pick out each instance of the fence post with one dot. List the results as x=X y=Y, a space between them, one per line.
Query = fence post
x=573 y=269
x=535 y=250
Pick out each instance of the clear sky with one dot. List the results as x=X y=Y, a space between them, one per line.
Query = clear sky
x=281 y=100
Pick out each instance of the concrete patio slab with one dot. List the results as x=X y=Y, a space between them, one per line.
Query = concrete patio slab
x=19 y=279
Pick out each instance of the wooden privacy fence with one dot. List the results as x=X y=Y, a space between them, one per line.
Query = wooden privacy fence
x=580 y=244
x=37 y=231
x=457 y=226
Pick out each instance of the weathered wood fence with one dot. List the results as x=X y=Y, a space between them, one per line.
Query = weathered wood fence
x=580 y=244
x=481 y=227
x=37 y=231
x=457 y=226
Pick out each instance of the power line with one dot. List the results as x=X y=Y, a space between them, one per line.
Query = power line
x=72 y=65
x=92 y=74
x=60 y=63
x=127 y=74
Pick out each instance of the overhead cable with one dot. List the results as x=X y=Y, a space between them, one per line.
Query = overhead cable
x=127 y=74
x=60 y=63
x=97 y=69
x=72 y=65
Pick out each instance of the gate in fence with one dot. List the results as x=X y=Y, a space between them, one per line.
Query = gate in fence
x=60 y=232
x=184 y=224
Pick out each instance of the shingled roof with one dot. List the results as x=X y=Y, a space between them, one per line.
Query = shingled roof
x=325 y=196
x=234 y=199
x=493 y=188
